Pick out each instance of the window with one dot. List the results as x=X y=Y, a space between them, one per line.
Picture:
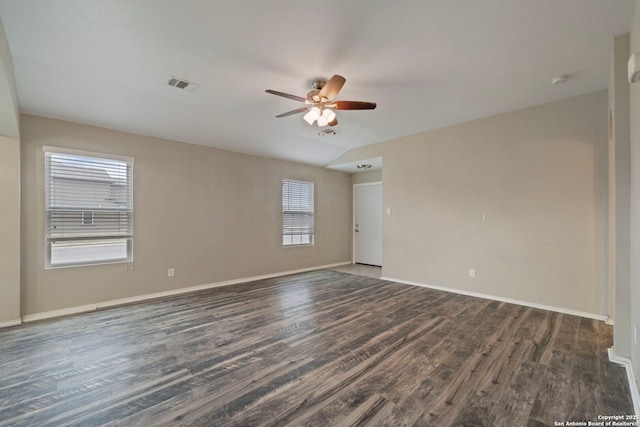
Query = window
x=89 y=208
x=297 y=213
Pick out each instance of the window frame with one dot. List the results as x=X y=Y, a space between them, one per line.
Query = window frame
x=311 y=202
x=125 y=209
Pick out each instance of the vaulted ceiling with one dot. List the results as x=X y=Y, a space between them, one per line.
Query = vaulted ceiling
x=427 y=64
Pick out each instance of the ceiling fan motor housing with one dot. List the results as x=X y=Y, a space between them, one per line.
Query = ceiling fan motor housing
x=319 y=83
x=313 y=96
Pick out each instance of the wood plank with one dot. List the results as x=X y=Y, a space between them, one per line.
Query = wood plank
x=318 y=348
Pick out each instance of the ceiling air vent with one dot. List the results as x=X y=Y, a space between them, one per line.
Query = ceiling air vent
x=182 y=83
x=327 y=132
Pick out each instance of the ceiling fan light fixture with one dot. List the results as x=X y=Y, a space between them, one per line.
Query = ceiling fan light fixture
x=326 y=117
x=329 y=114
x=312 y=115
x=308 y=118
x=322 y=121
x=321 y=103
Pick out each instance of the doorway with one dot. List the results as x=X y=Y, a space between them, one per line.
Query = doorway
x=367 y=214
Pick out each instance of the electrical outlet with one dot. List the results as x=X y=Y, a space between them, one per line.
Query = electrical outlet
x=472 y=273
x=171 y=272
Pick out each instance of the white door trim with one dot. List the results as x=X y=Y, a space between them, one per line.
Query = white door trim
x=353 y=215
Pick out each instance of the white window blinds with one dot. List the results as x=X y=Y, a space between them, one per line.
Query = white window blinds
x=297 y=212
x=89 y=208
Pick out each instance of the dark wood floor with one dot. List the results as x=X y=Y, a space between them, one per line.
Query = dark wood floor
x=322 y=348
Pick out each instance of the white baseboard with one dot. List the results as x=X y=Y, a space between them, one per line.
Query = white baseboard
x=58 y=313
x=501 y=299
x=10 y=323
x=635 y=396
x=139 y=298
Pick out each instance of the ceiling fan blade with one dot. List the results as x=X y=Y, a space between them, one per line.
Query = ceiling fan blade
x=289 y=113
x=333 y=122
x=353 y=105
x=286 y=95
x=332 y=87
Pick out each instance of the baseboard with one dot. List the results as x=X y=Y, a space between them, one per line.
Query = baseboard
x=58 y=313
x=501 y=299
x=10 y=323
x=140 y=298
x=635 y=395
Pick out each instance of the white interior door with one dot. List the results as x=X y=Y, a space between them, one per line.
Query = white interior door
x=368 y=223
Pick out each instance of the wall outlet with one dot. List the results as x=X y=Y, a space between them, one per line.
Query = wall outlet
x=171 y=272
x=472 y=272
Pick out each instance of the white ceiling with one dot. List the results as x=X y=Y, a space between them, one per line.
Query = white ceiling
x=427 y=64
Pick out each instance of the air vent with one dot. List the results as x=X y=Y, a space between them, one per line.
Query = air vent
x=181 y=83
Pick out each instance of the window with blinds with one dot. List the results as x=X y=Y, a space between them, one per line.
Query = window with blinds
x=89 y=208
x=297 y=213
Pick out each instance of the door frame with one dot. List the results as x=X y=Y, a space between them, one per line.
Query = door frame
x=353 y=215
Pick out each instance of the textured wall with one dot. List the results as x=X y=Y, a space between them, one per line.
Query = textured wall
x=9 y=229
x=634 y=102
x=539 y=177
x=212 y=215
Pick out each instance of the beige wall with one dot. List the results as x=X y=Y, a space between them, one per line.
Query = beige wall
x=635 y=198
x=212 y=215
x=365 y=177
x=9 y=189
x=9 y=229
x=538 y=175
x=9 y=112
x=619 y=193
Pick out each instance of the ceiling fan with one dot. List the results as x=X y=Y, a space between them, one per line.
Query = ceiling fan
x=321 y=104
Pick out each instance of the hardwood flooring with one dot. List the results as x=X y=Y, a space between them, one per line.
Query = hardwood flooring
x=360 y=270
x=322 y=349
